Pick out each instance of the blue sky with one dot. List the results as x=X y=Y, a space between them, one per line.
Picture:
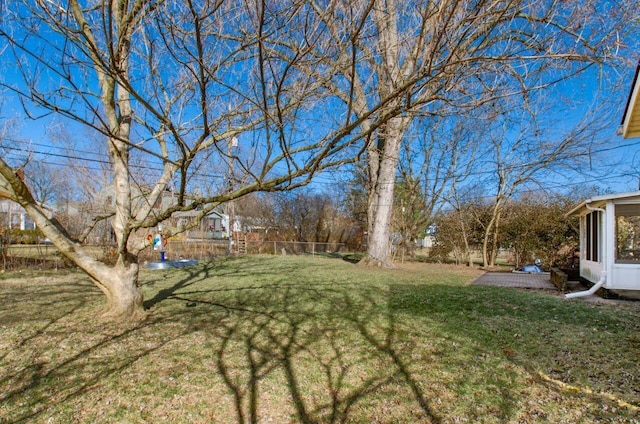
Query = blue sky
x=614 y=167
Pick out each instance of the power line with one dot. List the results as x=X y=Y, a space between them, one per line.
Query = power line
x=59 y=155
x=200 y=175
x=517 y=192
x=108 y=162
x=99 y=161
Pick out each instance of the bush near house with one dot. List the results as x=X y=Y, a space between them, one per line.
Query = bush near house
x=531 y=228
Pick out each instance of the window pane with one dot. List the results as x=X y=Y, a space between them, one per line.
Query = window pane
x=588 y=240
x=596 y=240
x=627 y=233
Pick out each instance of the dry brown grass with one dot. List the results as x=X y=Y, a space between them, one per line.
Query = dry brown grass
x=296 y=339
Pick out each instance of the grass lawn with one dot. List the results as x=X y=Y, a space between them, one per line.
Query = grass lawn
x=314 y=340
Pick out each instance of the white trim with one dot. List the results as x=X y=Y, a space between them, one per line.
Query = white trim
x=627 y=117
x=633 y=102
x=582 y=207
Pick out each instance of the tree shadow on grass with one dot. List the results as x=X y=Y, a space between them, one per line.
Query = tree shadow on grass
x=52 y=344
x=342 y=342
x=509 y=336
x=192 y=275
x=70 y=378
x=307 y=351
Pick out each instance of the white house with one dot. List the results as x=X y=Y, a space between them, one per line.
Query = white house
x=215 y=225
x=610 y=225
x=610 y=241
x=12 y=215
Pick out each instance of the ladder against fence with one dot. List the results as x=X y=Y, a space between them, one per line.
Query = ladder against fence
x=241 y=246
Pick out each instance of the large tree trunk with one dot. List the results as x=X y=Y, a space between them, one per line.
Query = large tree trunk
x=119 y=283
x=383 y=162
x=378 y=252
x=124 y=299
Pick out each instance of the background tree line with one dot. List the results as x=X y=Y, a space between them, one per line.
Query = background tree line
x=533 y=226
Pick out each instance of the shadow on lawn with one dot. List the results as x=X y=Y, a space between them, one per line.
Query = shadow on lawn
x=539 y=336
x=256 y=343
x=48 y=386
x=298 y=332
x=329 y=353
x=192 y=276
x=328 y=344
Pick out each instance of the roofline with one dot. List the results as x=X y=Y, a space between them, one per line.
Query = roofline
x=633 y=86
x=605 y=197
x=575 y=209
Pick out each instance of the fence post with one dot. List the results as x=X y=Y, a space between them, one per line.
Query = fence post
x=274 y=248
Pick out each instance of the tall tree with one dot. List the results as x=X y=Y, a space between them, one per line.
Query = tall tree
x=167 y=87
x=435 y=155
x=47 y=182
x=524 y=147
x=308 y=216
x=389 y=61
x=460 y=225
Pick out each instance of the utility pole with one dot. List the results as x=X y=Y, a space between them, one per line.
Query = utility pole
x=233 y=142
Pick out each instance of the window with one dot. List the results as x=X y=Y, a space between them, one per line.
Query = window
x=592 y=242
x=628 y=233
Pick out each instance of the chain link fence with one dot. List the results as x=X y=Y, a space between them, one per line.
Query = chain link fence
x=294 y=248
x=47 y=256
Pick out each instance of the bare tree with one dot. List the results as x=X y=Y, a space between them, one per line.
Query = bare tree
x=460 y=225
x=436 y=154
x=389 y=61
x=303 y=215
x=535 y=228
x=167 y=87
x=524 y=147
x=46 y=182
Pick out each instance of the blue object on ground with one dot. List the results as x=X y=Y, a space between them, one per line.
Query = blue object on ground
x=531 y=268
x=180 y=263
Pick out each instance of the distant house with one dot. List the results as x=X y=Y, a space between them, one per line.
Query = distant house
x=215 y=225
x=13 y=216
